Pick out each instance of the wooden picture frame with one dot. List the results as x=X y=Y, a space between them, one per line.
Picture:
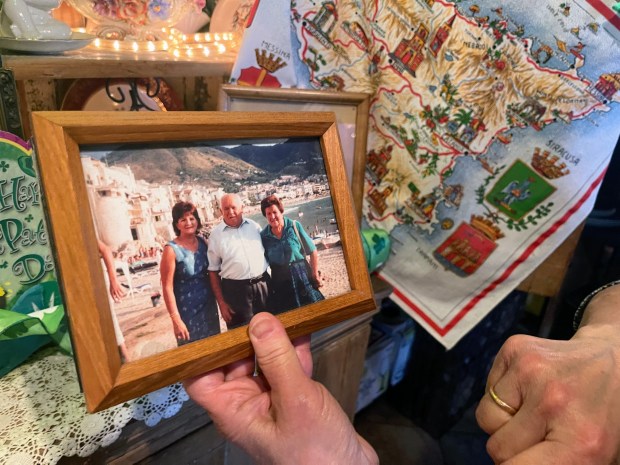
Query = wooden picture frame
x=351 y=110
x=61 y=137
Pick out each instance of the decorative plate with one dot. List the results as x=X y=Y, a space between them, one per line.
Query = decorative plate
x=230 y=15
x=46 y=46
x=91 y=94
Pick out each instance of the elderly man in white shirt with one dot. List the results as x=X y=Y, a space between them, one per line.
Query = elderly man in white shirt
x=237 y=265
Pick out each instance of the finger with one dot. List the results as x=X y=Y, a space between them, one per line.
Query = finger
x=498 y=369
x=547 y=452
x=491 y=416
x=240 y=369
x=521 y=432
x=276 y=355
x=506 y=378
x=234 y=406
x=302 y=347
x=518 y=353
x=200 y=388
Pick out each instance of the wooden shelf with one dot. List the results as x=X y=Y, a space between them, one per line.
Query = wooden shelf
x=88 y=63
x=40 y=79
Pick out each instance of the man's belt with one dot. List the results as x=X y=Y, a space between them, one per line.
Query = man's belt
x=250 y=281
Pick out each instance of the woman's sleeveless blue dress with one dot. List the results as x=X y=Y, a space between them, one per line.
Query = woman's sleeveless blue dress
x=192 y=290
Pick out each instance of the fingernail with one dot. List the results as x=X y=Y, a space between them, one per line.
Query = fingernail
x=261 y=329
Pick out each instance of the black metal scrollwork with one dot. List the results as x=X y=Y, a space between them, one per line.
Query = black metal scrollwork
x=134 y=93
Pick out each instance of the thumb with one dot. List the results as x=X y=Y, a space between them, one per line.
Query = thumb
x=276 y=355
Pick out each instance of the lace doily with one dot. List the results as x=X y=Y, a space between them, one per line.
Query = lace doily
x=43 y=415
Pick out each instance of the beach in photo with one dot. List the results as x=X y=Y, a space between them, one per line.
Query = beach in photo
x=132 y=190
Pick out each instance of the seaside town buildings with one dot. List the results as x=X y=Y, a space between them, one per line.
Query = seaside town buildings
x=126 y=209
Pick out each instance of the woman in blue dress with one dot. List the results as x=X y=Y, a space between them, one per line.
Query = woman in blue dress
x=294 y=282
x=186 y=287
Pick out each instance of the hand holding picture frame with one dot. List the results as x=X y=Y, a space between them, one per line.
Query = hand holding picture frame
x=97 y=168
x=351 y=110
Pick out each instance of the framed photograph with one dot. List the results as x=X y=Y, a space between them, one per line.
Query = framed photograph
x=351 y=110
x=148 y=213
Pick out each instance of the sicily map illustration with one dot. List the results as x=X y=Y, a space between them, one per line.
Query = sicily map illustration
x=491 y=125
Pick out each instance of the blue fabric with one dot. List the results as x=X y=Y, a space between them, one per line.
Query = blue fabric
x=287 y=249
x=193 y=294
x=304 y=291
x=290 y=285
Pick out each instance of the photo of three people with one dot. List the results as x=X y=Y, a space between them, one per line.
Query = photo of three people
x=230 y=254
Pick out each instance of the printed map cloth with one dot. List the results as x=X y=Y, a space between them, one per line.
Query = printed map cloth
x=491 y=126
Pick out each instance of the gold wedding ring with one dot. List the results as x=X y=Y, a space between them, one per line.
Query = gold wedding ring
x=500 y=403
